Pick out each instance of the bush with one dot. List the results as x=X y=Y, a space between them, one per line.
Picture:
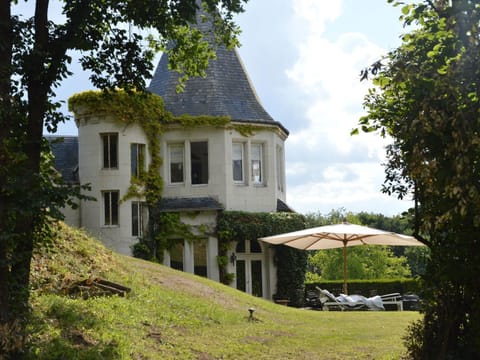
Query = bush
x=141 y=250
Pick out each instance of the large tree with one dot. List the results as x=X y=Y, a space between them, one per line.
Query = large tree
x=35 y=57
x=427 y=99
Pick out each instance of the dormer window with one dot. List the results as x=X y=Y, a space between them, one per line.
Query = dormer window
x=110 y=150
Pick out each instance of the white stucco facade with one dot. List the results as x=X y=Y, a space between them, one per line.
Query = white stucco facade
x=262 y=153
x=91 y=171
x=206 y=170
x=241 y=196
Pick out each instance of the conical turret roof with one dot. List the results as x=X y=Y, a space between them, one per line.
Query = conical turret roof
x=225 y=91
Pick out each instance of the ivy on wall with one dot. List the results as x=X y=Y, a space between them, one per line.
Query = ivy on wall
x=147 y=110
x=132 y=107
x=166 y=228
x=291 y=266
x=291 y=263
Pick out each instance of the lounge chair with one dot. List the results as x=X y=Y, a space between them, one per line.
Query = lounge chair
x=358 y=302
x=312 y=300
x=330 y=302
x=393 y=299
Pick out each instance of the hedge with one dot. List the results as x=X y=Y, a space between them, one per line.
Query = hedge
x=371 y=287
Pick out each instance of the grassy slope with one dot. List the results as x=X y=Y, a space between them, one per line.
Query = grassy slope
x=174 y=315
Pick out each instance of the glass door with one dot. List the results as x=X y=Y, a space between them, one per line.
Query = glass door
x=256 y=278
x=241 y=275
x=249 y=268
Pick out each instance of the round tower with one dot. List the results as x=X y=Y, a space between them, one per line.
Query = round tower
x=110 y=154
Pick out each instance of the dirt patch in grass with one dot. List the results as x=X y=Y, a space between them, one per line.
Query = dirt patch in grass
x=203 y=356
x=80 y=339
x=177 y=281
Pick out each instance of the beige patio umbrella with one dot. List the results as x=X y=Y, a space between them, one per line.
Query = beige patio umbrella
x=340 y=235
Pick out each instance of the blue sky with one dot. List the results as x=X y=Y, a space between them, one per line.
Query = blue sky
x=304 y=58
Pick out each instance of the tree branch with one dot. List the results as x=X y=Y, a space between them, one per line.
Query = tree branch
x=6 y=42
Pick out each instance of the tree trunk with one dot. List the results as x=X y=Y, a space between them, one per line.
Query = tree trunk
x=5 y=75
x=20 y=147
x=27 y=221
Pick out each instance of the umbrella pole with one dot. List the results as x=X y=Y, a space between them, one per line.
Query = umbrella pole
x=345 y=290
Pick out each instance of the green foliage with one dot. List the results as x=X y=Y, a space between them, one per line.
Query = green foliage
x=239 y=225
x=222 y=261
x=363 y=262
x=366 y=262
x=222 y=122
x=417 y=258
x=132 y=107
x=39 y=208
x=169 y=230
x=228 y=278
x=128 y=107
x=291 y=263
x=426 y=99
x=174 y=315
x=370 y=287
x=291 y=267
x=190 y=122
x=141 y=250
x=70 y=256
x=147 y=110
x=333 y=217
x=35 y=59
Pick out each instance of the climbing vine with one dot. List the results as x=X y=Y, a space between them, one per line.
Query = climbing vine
x=132 y=107
x=291 y=263
x=147 y=110
x=223 y=122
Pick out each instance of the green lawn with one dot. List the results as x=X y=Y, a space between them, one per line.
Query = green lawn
x=173 y=315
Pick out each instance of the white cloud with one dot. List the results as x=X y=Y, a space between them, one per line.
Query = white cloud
x=317 y=13
x=326 y=72
x=354 y=187
x=297 y=168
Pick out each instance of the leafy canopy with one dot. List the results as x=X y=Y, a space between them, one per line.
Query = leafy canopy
x=116 y=41
x=426 y=98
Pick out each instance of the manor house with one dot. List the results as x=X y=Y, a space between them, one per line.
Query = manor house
x=206 y=170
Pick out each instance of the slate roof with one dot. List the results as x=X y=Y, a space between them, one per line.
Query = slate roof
x=283 y=207
x=225 y=91
x=65 y=150
x=177 y=204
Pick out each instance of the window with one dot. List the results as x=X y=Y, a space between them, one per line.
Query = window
x=199 y=162
x=200 y=257
x=176 y=255
x=176 y=156
x=237 y=162
x=257 y=163
x=110 y=206
x=279 y=168
x=110 y=151
x=137 y=157
x=139 y=218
